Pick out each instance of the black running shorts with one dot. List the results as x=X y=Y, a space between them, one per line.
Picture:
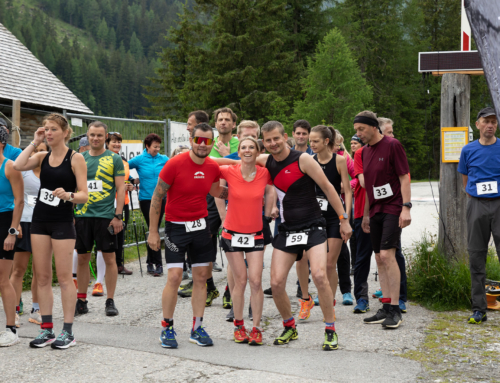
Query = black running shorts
x=266 y=230
x=5 y=222
x=24 y=244
x=316 y=236
x=385 y=232
x=333 y=228
x=55 y=230
x=92 y=230
x=228 y=248
x=178 y=241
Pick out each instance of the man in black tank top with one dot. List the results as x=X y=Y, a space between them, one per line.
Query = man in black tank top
x=295 y=176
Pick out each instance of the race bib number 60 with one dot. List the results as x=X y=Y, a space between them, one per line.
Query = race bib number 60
x=490 y=187
x=48 y=198
x=199 y=224
x=384 y=191
x=297 y=239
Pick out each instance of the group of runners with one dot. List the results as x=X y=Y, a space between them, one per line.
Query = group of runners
x=74 y=201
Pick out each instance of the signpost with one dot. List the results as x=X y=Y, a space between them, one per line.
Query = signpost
x=452 y=142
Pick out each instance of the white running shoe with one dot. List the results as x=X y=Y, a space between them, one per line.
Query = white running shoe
x=8 y=338
x=35 y=317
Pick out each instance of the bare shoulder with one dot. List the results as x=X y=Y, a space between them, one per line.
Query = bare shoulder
x=262 y=159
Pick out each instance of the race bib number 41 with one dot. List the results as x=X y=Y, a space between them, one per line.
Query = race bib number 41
x=242 y=240
x=490 y=187
x=48 y=198
x=384 y=191
x=199 y=224
x=297 y=239
x=94 y=186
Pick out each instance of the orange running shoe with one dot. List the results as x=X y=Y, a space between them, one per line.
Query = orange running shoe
x=240 y=334
x=305 y=308
x=255 y=337
x=98 y=292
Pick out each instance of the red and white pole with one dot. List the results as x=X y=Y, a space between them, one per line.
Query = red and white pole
x=466 y=32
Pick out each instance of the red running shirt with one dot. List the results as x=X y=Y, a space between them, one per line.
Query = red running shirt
x=244 y=207
x=359 y=191
x=189 y=186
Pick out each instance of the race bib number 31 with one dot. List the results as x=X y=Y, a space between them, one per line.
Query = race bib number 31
x=384 y=191
x=323 y=204
x=490 y=187
x=242 y=240
x=199 y=224
x=94 y=186
x=296 y=239
x=47 y=197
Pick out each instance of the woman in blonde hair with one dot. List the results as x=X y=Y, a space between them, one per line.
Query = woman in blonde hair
x=62 y=173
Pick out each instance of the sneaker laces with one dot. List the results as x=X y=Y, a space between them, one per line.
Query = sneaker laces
x=285 y=331
x=43 y=334
x=63 y=335
x=170 y=332
x=201 y=332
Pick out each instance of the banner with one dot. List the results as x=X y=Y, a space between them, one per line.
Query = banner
x=179 y=135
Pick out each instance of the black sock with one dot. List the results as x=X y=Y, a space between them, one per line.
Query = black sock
x=12 y=328
x=210 y=284
x=396 y=308
x=68 y=327
x=169 y=322
x=46 y=318
x=74 y=275
x=386 y=307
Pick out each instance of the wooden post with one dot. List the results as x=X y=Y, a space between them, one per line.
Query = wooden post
x=455 y=112
x=16 y=120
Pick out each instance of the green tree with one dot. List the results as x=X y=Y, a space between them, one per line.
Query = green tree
x=111 y=40
x=91 y=15
x=102 y=32
x=136 y=47
x=70 y=9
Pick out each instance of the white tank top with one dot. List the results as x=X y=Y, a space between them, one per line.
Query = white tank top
x=31 y=187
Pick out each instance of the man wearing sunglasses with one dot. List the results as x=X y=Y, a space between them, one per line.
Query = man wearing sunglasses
x=187 y=179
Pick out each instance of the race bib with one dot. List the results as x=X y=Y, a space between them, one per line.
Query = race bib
x=199 y=224
x=490 y=187
x=384 y=191
x=32 y=200
x=242 y=240
x=94 y=186
x=297 y=239
x=47 y=197
x=323 y=203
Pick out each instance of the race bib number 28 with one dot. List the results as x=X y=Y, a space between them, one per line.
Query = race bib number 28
x=384 y=191
x=199 y=224
x=48 y=198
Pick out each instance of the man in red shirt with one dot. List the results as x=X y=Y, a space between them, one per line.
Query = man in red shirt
x=187 y=178
x=387 y=209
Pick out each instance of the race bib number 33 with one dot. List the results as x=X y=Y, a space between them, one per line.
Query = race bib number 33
x=199 y=224
x=384 y=191
x=490 y=187
x=48 y=198
x=297 y=239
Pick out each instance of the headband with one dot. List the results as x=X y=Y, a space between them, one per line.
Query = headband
x=366 y=120
x=4 y=136
x=356 y=138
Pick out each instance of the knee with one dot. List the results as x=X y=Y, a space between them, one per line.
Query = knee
x=83 y=260
x=255 y=284
x=319 y=278
x=43 y=280
x=18 y=271
x=240 y=283
x=277 y=284
x=174 y=277
x=331 y=266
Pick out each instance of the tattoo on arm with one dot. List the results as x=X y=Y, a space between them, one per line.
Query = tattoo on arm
x=223 y=195
x=159 y=193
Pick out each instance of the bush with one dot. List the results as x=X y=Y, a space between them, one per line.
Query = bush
x=441 y=284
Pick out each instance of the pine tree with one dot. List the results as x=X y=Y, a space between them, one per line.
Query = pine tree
x=70 y=10
x=123 y=32
x=102 y=32
x=111 y=40
x=136 y=47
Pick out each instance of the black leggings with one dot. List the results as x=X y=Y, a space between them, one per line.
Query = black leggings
x=154 y=257
x=121 y=238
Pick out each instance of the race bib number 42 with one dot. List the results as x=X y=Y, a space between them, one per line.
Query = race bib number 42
x=242 y=240
x=47 y=197
x=297 y=239
x=199 y=224
x=490 y=187
x=384 y=191
x=94 y=186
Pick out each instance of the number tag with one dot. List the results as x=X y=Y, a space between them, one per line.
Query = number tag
x=32 y=200
x=199 y=224
x=242 y=240
x=384 y=191
x=490 y=187
x=47 y=197
x=323 y=204
x=297 y=239
x=94 y=186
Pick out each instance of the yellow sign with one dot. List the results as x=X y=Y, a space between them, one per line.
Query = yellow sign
x=452 y=142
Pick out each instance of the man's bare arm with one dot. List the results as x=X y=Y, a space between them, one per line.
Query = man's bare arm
x=156 y=200
x=218 y=191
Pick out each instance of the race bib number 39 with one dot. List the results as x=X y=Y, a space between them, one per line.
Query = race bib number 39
x=490 y=187
x=384 y=191
x=94 y=186
x=199 y=224
x=47 y=197
x=242 y=240
x=296 y=239
x=323 y=204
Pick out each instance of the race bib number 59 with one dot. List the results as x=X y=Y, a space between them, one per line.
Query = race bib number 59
x=384 y=191
x=297 y=239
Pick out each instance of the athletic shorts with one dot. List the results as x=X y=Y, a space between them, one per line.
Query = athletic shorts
x=333 y=229
x=316 y=236
x=92 y=230
x=266 y=230
x=24 y=244
x=55 y=230
x=5 y=222
x=178 y=241
x=385 y=232
x=226 y=240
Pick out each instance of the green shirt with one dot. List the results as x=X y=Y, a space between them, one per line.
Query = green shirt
x=233 y=147
x=101 y=173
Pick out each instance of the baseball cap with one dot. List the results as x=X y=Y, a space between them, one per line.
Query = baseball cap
x=3 y=122
x=84 y=141
x=486 y=112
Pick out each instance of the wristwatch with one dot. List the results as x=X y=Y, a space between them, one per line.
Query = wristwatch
x=343 y=216
x=71 y=196
x=119 y=216
x=13 y=231
x=269 y=219
x=408 y=205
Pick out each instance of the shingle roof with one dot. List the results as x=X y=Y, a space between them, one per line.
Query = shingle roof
x=23 y=77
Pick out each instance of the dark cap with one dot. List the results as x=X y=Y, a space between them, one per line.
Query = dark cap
x=486 y=112
x=84 y=141
x=3 y=122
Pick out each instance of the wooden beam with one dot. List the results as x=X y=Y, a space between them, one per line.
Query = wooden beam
x=469 y=72
x=16 y=121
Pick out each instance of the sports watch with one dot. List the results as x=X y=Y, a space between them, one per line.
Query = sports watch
x=71 y=196
x=13 y=231
x=408 y=205
x=119 y=216
x=343 y=216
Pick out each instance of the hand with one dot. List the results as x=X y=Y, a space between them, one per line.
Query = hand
x=222 y=149
x=129 y=187
x=20 y=230
x=154 y=241
x=345 y=230
x=365 y=225
x=404 y=218
x=9 y=242
x=275 y=212
x=117 y=225
x=39 y=136
x=61 y=194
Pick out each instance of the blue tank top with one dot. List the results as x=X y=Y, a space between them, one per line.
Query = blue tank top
x=6 y=195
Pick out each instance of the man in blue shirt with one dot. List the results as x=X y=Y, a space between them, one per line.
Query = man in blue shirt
x=9 y=151
x=480 y=168
x=300 y=133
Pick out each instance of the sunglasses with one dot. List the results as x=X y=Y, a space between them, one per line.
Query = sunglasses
x=201 y=140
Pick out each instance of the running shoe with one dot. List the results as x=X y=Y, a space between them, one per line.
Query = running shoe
x=347 y=299
x=158 y=271
x=288 y=334
x=98 y=291
x=211 y=295
x=331 y=341
x=316 y=301
x=18 y=321
x=123 y=270
x=216 y=267
x=378 y=294
x=64 y=340
x=255 y=337
x=43 y=339
x=402 y=306
x=8 y=338
x=393 y=319
x=268 y=292
x=151 y=268
x=477 y=317
x=186 y=290
x=240 y=334
x=200 y=337
x=361 y=307
x=35 y=317
x=226 y=300
x=379 y=317
x=305 y=308
x=230 y=315
x=110 y=309
x=167 y=338
x=81 y=307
